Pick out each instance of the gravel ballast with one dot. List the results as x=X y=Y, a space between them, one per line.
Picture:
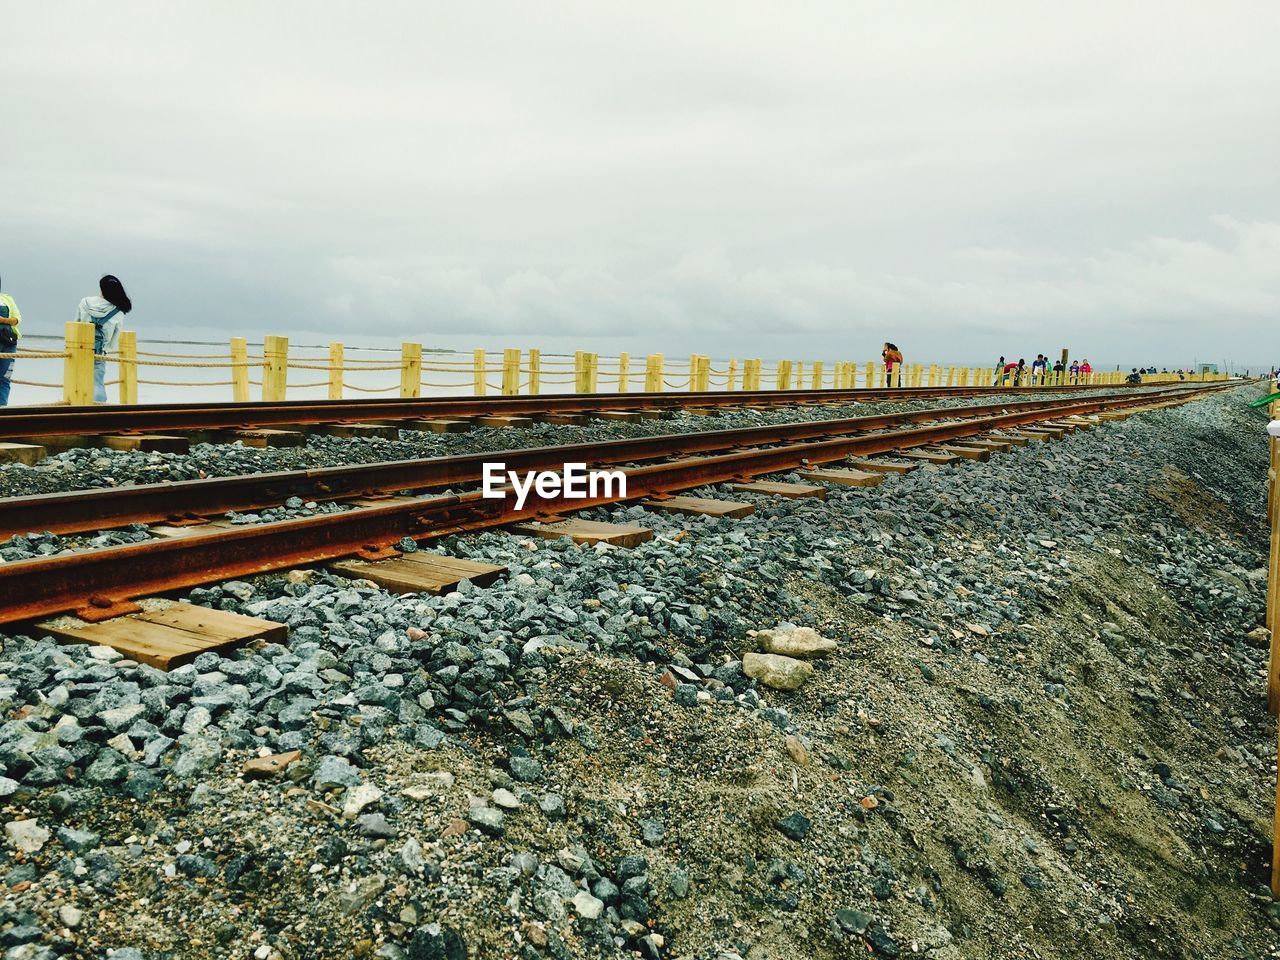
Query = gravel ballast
x=1040 y=732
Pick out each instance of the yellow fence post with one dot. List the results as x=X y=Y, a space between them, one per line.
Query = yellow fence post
x=275 y=370
x=624 y=372
x=694 y=366
x=77 y=368
x=410 y=370
x=510 y=372
x=239 y=370
x=337 y=370
x=128 y=366
x=815 y=382
x=732 y=383
x=653 y=373
x=783 y=375
x=593 y=369
x=579 y=371
x=750 y=374
x=535 y=372
x=704 y=373
x=478 y=384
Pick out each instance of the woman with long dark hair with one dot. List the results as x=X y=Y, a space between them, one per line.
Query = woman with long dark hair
x=106 y=313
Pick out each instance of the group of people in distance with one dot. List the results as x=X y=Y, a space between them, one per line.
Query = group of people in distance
x=1007 y=371
x=105 y=311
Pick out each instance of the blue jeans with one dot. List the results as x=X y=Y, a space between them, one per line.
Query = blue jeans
x=99 y=375
x=99 y=368
x=6 y=373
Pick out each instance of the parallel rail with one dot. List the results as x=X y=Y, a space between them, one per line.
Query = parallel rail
x=103 y=578
x=18 y=423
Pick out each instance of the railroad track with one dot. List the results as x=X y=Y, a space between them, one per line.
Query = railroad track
x=103 y=582
x=191 y=500
x=28 y=423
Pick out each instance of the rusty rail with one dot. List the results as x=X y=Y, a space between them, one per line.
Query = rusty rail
x=110 y=577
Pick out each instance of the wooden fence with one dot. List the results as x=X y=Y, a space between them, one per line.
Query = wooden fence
x=279 y=369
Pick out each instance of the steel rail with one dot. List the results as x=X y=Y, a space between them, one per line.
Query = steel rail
x=24 y=422
x=101 y=508
x=30 y=589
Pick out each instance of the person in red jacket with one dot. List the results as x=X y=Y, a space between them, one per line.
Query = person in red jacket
x=892 y=357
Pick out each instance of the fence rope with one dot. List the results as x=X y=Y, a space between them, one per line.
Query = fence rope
x=184 y=383
x=356 y=367
x=116 y=358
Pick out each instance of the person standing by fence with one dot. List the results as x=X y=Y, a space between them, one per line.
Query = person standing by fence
x=892 y=357
x=10 y=317
x=105 y=312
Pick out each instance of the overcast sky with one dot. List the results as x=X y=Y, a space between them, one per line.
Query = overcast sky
x=791 y=179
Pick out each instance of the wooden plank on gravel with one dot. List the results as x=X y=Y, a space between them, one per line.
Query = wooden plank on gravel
x=1057 y=433
x=27 y=453
x=773 y=488
x=845 y=478
x=503 y=422
x=928 y=456
x=587 y=531
x=700 y=506
x=147 y=443
x=169 y=636
x=1017 y=439
x=220 y=626
x=187 y=529
x=420 y=572
x=264 y=437
x=995 y=444
x=436 y=426
x=576 y=419
x=621 y=416
x=884 y=466
x=1028 y=436
x=969 y=453
x=378 y=501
